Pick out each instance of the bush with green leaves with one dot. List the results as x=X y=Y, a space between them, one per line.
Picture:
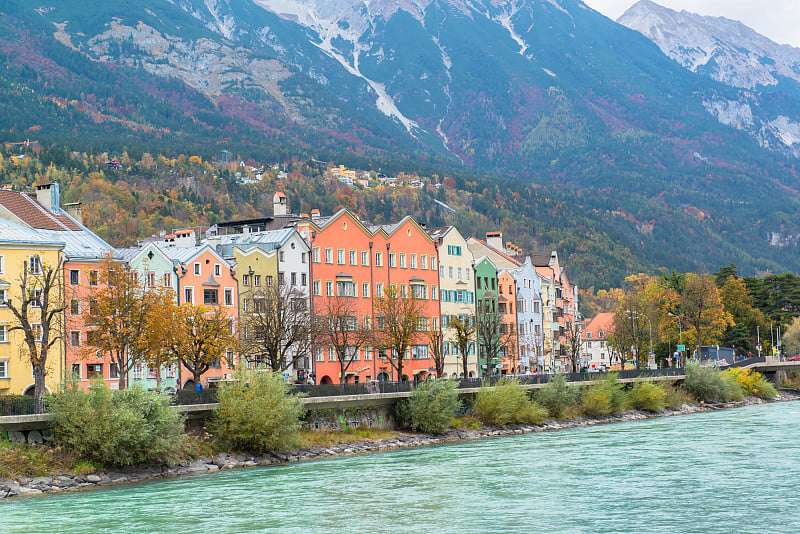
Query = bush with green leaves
x=117 y=428
x=708 y=384
x=647 y=396
x=557 y=397
x=506 y=403
x=604 y=398
x=675 y=396
x=257 y=413
x=430 y=407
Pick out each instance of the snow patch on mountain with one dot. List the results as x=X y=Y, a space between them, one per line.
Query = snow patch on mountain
x=786 y=130
x=727 y=50
x=224 y=24
x=505 y=21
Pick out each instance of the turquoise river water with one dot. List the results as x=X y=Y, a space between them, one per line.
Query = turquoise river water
x=731 y=471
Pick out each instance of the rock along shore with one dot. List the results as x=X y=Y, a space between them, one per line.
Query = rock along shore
x=226 y=461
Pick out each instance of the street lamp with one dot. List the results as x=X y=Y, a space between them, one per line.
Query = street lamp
x=650 y=324
x=680 y=331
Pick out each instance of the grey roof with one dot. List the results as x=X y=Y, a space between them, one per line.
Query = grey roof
x=129 y=254
x=16 y=233
x=267 y=237
x=183 y=254
x=438 y=232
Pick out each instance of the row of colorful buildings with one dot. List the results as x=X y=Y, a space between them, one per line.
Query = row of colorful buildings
x=232 y=264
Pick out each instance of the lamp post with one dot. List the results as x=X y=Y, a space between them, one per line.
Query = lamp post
x=680 y=331
x=650 y=324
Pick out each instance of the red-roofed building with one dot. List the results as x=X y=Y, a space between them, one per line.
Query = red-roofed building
x=596 y=353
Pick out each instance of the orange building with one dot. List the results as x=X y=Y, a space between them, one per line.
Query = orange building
x=507 y=299
x=358 y=261
x=206 y=279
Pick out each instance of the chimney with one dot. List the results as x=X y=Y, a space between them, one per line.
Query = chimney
x=495 y=240
x=280 y=204
x=315 y=214
x=75 y=210
x=48 y=196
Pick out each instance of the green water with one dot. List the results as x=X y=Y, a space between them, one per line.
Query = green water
x=733 y=471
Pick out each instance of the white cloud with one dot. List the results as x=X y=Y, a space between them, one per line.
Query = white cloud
x=777 y=19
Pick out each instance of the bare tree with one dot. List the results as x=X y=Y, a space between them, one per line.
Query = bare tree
x=337 y=326
x=398 y=322
x=572 y=334
x=464 y=331
x=276 y=327
x=493 y=335
x=436 y=337
x=36 y=311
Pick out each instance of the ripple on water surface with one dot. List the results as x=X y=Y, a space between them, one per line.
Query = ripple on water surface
x=728 y=471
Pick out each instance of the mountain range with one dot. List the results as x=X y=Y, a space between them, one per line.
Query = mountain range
x=529 y=98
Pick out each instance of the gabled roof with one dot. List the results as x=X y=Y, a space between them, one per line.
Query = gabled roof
x=32 y=213
x=131 y=254
x=184 y=255
x=601 y=322
x=478 y=246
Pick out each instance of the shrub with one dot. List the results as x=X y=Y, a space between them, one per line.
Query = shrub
x=675 y=396
x=647 y=396
x=557 y=397
x=430 y=407
x=753 y=384
x=506 y=403
x=708 y=384
x=604 y=398
x=257 y=413
x=111 y=428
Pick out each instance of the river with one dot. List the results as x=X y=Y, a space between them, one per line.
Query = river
x=728 y=471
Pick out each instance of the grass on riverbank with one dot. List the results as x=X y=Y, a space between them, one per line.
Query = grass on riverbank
x=310 y=438
x=19 y=460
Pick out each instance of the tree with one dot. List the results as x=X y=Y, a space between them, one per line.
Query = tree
x=791 y=338
x=702 y=309
x=436 y=337
x=738 y=302
x=574 y=343
x=275 y=327
x=337 y=326
x=36 y=311
x=398 y=320
x=464 y=332
x=198 y=337
x=123 y=314
x=493 y=335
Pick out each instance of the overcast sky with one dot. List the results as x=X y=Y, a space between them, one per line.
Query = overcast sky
x=777 y=19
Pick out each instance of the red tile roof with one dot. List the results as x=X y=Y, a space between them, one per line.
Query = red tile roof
x=30 y=212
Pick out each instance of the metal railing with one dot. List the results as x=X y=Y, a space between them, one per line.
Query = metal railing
x=20 y=405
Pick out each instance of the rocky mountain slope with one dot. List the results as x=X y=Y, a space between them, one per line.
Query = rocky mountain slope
x=584 y=115
x=734 y=54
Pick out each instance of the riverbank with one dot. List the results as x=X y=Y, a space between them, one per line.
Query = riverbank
x=22 y=486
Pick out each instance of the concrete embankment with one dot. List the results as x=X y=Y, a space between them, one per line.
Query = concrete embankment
x=225 y=461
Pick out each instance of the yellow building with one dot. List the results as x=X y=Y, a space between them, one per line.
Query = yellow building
x=25 y=249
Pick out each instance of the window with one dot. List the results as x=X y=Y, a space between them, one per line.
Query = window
x=170 y=371
x=2 y=264
x=329 y=288
x=379 y=259
x=137 y=371
x=315 y=287
x=418 y=291
x=433 y=292
x=4 y=369
x=453 y=250
x=365 y=290
x=3 y=297
x=328 y=255
x=210 y=296
x=36 y=298
x=94 y=369
x=392 y=262
x=246 y=280
x=197 y=268
x=216 y=363
x=35 y=264
x=92 y=278
x=352 y=257
x=331 y=354
x=303 y=279
x=419 y=352
x=282 y=256
x=402 y=261
x=151 y=279
x=75 y=338
x=403 y=291
x=152 y=372
x=315 y=255
x=246 y=305
x=113 y=371
x=450 y=271
x=217 y=269
x=280 y=279
x=37 y=331
x=379 y=290
x=3 y=333
x=423 y=262
x=433 y=263
x=303 y=258
x=228 y=296
x=340 y=256
x=294 y=279
x=91 y=338
x=76 y=371
x=460 y=273
x=467 y=272
x=167 y=280
x=74 y=277
x=367 y=354
x=320 y=356
x=346 y=288
x=412 y=261
x=188 y=295
x=364 y=258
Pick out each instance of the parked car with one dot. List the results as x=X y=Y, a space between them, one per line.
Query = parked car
x=794 y=359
